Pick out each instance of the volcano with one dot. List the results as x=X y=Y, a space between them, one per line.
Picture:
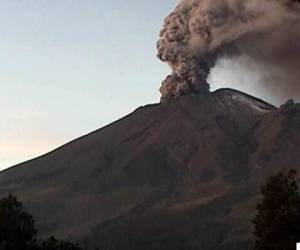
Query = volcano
x=183 y=174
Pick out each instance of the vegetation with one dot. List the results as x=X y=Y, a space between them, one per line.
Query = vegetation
x=54 y=244
x=17 y=230
x=277 y=224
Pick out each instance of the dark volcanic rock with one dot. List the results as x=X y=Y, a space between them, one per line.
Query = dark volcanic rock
x=178 y=175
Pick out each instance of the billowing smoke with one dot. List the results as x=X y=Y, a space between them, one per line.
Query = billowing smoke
x=200 y=32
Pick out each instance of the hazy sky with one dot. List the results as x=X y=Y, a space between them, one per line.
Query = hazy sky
x=69 y=67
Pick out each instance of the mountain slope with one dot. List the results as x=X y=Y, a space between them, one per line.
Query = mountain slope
x=177 y=175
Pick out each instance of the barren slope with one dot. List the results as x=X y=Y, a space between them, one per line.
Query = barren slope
x=177 y=175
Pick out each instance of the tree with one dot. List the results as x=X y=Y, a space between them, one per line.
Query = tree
x=277 y=224
x=17 y=229
x=54 y=244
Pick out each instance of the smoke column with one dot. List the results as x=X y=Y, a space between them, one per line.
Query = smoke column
x=198 y=33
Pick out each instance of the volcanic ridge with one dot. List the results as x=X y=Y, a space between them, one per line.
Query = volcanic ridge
x=182 y=174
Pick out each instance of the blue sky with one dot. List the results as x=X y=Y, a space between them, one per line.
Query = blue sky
x=70 y=67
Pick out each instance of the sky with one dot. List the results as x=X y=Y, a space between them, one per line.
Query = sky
x=70 y=67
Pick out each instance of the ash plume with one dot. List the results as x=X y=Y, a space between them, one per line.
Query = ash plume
x=198 y=33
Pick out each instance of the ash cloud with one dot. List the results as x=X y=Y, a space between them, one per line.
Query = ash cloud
x=198 y=33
